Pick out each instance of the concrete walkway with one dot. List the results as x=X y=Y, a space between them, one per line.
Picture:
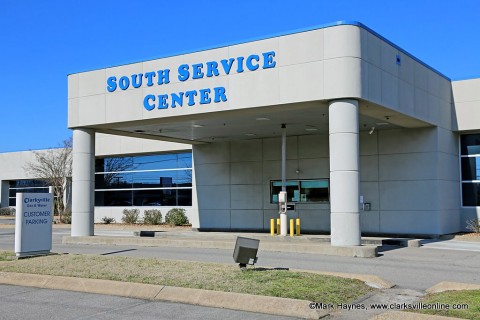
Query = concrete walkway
x=315 y=244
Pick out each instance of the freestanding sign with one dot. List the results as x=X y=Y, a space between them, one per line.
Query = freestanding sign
x=33 y=224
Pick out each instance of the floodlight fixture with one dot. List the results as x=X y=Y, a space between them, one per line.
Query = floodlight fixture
x=245 y=251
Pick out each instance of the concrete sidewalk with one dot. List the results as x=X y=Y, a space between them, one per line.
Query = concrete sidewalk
x=318 y=244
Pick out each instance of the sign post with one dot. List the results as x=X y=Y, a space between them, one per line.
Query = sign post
x=33 y=224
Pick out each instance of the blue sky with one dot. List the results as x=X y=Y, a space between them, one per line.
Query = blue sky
x=44 y=41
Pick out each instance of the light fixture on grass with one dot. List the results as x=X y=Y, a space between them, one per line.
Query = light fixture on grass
x=245 y=251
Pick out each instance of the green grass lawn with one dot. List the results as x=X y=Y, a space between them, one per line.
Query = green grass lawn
x=451 y=298
x=201 y=275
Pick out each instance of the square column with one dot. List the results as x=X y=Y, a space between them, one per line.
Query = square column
x=344 y=173
x=83 y=182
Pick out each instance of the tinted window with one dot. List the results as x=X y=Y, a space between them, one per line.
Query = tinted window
x=470 y=169
x=144 y=180
x=470 y=144
x=301 y=190
x=471 y=194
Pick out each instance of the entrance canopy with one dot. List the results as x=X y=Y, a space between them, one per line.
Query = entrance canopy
x=247 y=90
x=300 y=118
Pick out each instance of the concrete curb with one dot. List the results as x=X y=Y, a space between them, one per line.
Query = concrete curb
x=208 y=298
x=400 y=315
x=303 y=247
x=240 y=301
x=370 y=280
x=452 y=286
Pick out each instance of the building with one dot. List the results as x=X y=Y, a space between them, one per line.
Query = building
x=378 y=142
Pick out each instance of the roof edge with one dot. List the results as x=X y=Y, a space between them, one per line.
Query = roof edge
x=279 y=34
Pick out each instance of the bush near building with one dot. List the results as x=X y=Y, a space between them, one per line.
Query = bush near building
x=130 y=216
x=152 y=216
x=108 y=220
x=7 y=211
x=176 y=217
x=66 y=217
x=473 y=225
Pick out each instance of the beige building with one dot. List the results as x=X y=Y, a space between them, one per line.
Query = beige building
x=377 y=142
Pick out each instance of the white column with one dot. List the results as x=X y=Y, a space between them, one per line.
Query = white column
x=283 y=215
x=83 y=182
x=344 y=173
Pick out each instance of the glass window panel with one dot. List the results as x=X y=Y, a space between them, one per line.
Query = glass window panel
x=314 y=191
x=184 y=178
x=288 y=183
x=12 y=202
x=477 y=168
x=142 y=177
x=169 y=197
x=292 y=188
x=470 y=144
x=113 y=198
x=185 y=160
x=162 y=161
x=150 y=162
x=13 y=192
x=147 y=179
x=470 y=168
x=314 y=184
x=115 y=164
x=184 y=197
x=118 y=164
x=471 y=194
x=28 y=183
x=154 y=197
x=154 y=179
x=302 y=191
x=113 y=181
x=100 y=165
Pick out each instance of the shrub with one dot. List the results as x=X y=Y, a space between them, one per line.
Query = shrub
x=7 y=211
x=473 y=225
x=130 y=216
x=176 y=216
x=66 y=217
x=152 y=216
x=108 y=220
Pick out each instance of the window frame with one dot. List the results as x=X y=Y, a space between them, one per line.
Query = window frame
x=136 y=170
x=299 y=181
x=460 y=168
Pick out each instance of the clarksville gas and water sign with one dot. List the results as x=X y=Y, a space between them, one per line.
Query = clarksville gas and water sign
x=33 y=224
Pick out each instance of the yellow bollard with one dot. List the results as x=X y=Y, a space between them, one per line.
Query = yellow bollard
x=278 y=226
x=298 y=227
x=291 y=227
x=272 y=227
